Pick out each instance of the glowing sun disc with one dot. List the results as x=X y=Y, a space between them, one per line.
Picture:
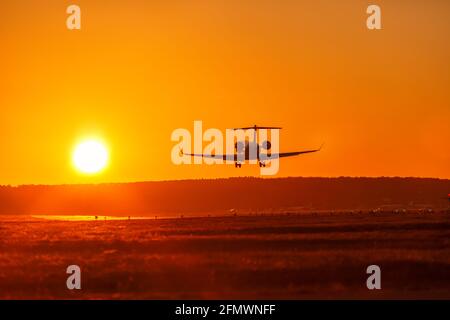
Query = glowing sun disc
x=90 y=157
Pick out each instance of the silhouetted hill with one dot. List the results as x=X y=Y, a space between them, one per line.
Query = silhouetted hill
x=220 y=195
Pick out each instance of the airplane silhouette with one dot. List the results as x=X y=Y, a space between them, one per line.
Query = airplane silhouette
x=242 y=150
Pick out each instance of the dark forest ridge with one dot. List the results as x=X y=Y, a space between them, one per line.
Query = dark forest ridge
x=222 y=195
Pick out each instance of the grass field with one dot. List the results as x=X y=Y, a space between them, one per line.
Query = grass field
x=285 y=256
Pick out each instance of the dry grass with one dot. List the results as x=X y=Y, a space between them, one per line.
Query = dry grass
x=291 y=257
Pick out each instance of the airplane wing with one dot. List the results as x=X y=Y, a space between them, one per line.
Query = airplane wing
x=295 y=153
x=217 y=156
x=234 y=156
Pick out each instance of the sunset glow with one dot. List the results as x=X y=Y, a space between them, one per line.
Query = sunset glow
x=139 y=70
x=90 y=157
x=261 y=153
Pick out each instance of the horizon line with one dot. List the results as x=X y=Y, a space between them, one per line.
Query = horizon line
x=220 y=178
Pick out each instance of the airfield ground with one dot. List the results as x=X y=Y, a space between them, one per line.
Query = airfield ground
x=274 y=257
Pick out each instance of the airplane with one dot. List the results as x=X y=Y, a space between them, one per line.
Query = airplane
x=245 y=147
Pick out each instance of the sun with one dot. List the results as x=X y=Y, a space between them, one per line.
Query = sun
x=90 y=156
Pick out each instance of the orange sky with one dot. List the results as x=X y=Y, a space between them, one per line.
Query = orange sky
x=138 y=70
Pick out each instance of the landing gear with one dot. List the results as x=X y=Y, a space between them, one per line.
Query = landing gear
x=237 y=165
x=262 y=164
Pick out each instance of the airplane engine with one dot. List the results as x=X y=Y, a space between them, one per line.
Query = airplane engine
x=239 y=146
x=266 y=145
